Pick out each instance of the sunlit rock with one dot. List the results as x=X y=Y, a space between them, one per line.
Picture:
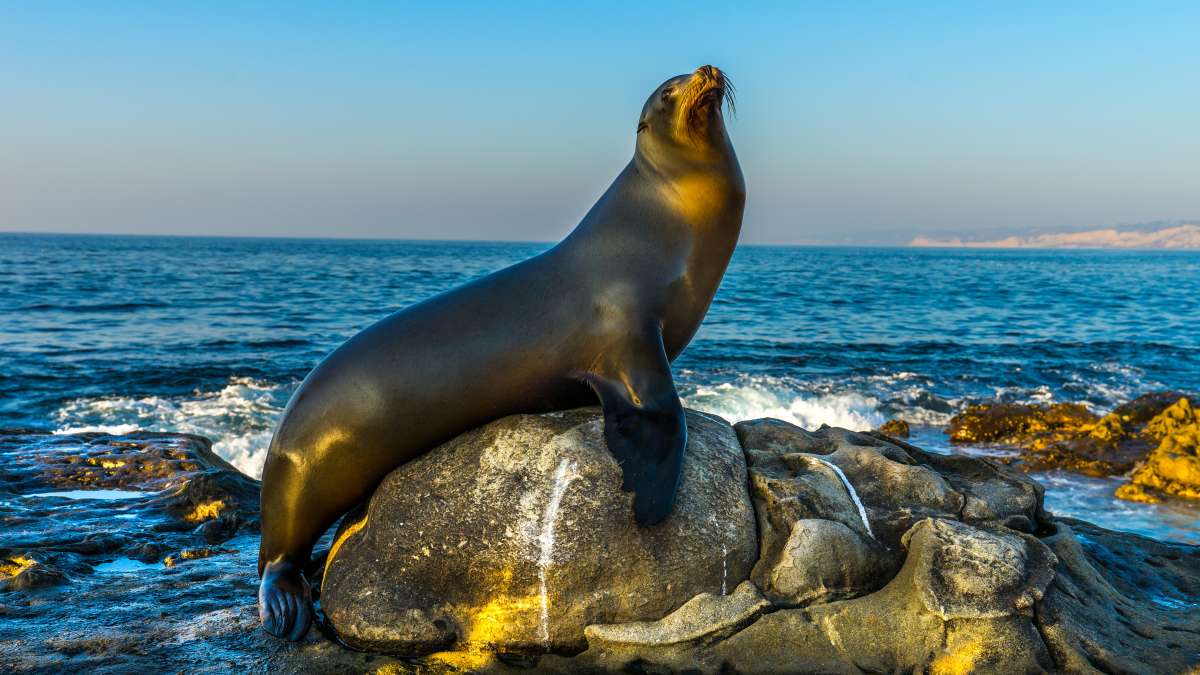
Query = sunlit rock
x=1067 y=435
x=896 y=428
x=1172 y=468
x=517 y=536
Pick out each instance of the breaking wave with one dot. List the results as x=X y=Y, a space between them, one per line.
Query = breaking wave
x=238 y=418
x=767 y=397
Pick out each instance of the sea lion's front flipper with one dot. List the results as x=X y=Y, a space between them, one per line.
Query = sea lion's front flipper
x=643 y=424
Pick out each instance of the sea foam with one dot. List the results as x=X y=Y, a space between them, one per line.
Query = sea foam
x=754 y=397
x=238 y=418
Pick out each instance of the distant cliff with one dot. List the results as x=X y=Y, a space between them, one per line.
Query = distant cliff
x=1176 y=237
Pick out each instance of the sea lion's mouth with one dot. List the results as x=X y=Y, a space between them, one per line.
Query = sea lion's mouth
x=707 y=91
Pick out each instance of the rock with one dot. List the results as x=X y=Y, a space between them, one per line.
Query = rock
x=963 y=602
x=703 y=617
x=140 y=460
x=1146 y=407
x=1019 y=424
x=973 y=591
x=23 y=571
x=517 y=536
x=222 y=496
x=1178 y=418
x=194 y=554
x=964 y=572
x=678 y=641
x=1067 y=435
x=807 y=512
x=802 y=505
x=822 y=560
x=897 y=428
x=1121 y=603
x=1173 y=468
x=957 y=568
x=81 y=578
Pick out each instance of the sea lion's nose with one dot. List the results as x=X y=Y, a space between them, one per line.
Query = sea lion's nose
x=708 y=72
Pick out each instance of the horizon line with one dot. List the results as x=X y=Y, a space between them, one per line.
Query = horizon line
x=267 y=237
x=407 y=239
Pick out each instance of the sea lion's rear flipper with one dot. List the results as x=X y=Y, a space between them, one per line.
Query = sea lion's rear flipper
x=643 y=424
x=284 y=600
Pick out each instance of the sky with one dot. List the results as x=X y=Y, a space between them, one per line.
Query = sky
x=857 y=123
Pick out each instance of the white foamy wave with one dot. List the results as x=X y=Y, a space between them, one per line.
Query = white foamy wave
x=1040 y=395
x=115 y=429
x=752 y=398
x=239 y=418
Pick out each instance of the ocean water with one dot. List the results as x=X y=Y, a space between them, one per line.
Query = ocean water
x=211 y=335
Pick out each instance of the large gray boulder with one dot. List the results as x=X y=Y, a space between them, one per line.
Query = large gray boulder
x=517 y=536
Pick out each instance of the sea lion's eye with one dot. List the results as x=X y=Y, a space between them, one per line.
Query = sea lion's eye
x=666 y=93
x=642 y=127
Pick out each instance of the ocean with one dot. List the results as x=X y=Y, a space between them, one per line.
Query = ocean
x=211 y=335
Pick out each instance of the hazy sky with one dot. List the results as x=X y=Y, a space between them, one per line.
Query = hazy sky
x=857 y=123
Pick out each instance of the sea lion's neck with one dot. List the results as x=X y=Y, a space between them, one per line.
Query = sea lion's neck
x=709 y=200
x=674 y=228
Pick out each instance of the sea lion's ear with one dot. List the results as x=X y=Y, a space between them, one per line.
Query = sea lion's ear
x=644 y=424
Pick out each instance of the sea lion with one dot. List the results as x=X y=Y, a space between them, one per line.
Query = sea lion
x=599 y=316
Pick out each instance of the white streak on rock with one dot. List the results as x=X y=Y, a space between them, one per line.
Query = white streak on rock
x=562 y=478
x=724 y=569
x=862 y=511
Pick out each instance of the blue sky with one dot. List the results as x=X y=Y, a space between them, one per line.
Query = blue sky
x=857 y=122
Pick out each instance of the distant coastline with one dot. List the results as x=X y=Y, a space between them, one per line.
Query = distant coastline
x=1186 y=236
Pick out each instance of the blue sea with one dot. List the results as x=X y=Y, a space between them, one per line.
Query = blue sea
x=211 y=335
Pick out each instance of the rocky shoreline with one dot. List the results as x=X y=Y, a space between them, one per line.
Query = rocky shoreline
x=511 y=548
x=1154 y=440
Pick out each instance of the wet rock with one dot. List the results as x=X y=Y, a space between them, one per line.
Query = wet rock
x=149 y=552
x=140 y=460
x=220 y=529
x=897 y=428
x=195 y=554
x=216 y=494
x=1121 y=603
x=1067 y=435
x=85 y=521
x=517 y=536
x=24 y=571
x=1018 y=423
x=1146 y=407
x=50 y=481
x=1172 y=468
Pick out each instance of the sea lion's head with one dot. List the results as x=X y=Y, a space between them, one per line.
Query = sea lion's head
x=683 y=117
